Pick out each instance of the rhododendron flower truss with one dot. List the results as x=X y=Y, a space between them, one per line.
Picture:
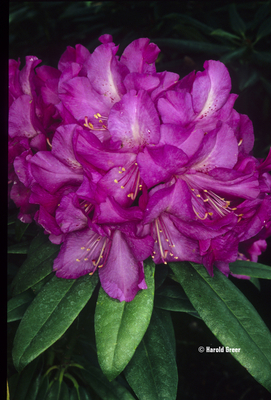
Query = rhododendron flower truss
x=120 y=163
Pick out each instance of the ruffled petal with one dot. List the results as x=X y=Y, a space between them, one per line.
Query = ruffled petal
x=140 y=55
x=110 y=212
x=176 y=108
x=211 y=89
x=158 y=164
x=69 y=217
x=104 y=73
x=219 y=148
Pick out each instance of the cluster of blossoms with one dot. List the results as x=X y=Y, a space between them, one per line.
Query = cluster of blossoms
x=118 y=163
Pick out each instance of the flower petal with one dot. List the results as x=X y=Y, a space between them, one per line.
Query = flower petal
x=76 y=254
x=22 y=119
x=122 y=275
x=69 y=217
x=110 y=212
x=51 y=173
x=211 y=89
x=140 y=55
x=176 y=108
x=104 y=73
x=158 y=164
x=134 y=121
x=62 y=146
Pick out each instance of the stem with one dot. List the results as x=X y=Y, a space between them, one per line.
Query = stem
x=74 y=381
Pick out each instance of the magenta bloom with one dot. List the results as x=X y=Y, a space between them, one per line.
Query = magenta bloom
x=139 y=164
x=32 y=121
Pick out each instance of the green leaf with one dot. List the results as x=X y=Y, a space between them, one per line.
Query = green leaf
x=261 y=57
x=255 y=282
x=19 y=248
x=161 y=271
x=224 y=34
x=12 y=219
x=49 y=316
x=37 y=266
x=247 y=81
x=172 y=298
x=249 y=268
x=25 y=380
x=43 y=388
x=192 y=46
x=261 y=14
x=79 y=394
x=120 y=326
x=230 y=316
x=165 y=317
x=237 y=23
x=17 y=305
x=33 y=389
x=20 y=228
x=152 y=372
x=266 y=85
x=12 y=385
x=100 y=384
x=58 y=391
x=233 y=55
x=264 y=29
x=190 y=21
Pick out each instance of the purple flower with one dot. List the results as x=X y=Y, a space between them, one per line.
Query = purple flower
x=139 y=164
x=32 y=119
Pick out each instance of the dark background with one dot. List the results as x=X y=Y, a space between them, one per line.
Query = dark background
x=188 y=33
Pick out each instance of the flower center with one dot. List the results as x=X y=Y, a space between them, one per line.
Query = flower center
x=100 y=119
x=206 y=203
x=131 y=176
x=96 y=250
x=86 y=206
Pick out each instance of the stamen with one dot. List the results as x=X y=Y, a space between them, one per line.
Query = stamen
x=161 y=228
x=90 y=126
x=131 y=176
x=86 y=206
x=209 y=200
x=48 y=141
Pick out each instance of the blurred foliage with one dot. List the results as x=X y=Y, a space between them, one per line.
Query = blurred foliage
x=188 y=33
